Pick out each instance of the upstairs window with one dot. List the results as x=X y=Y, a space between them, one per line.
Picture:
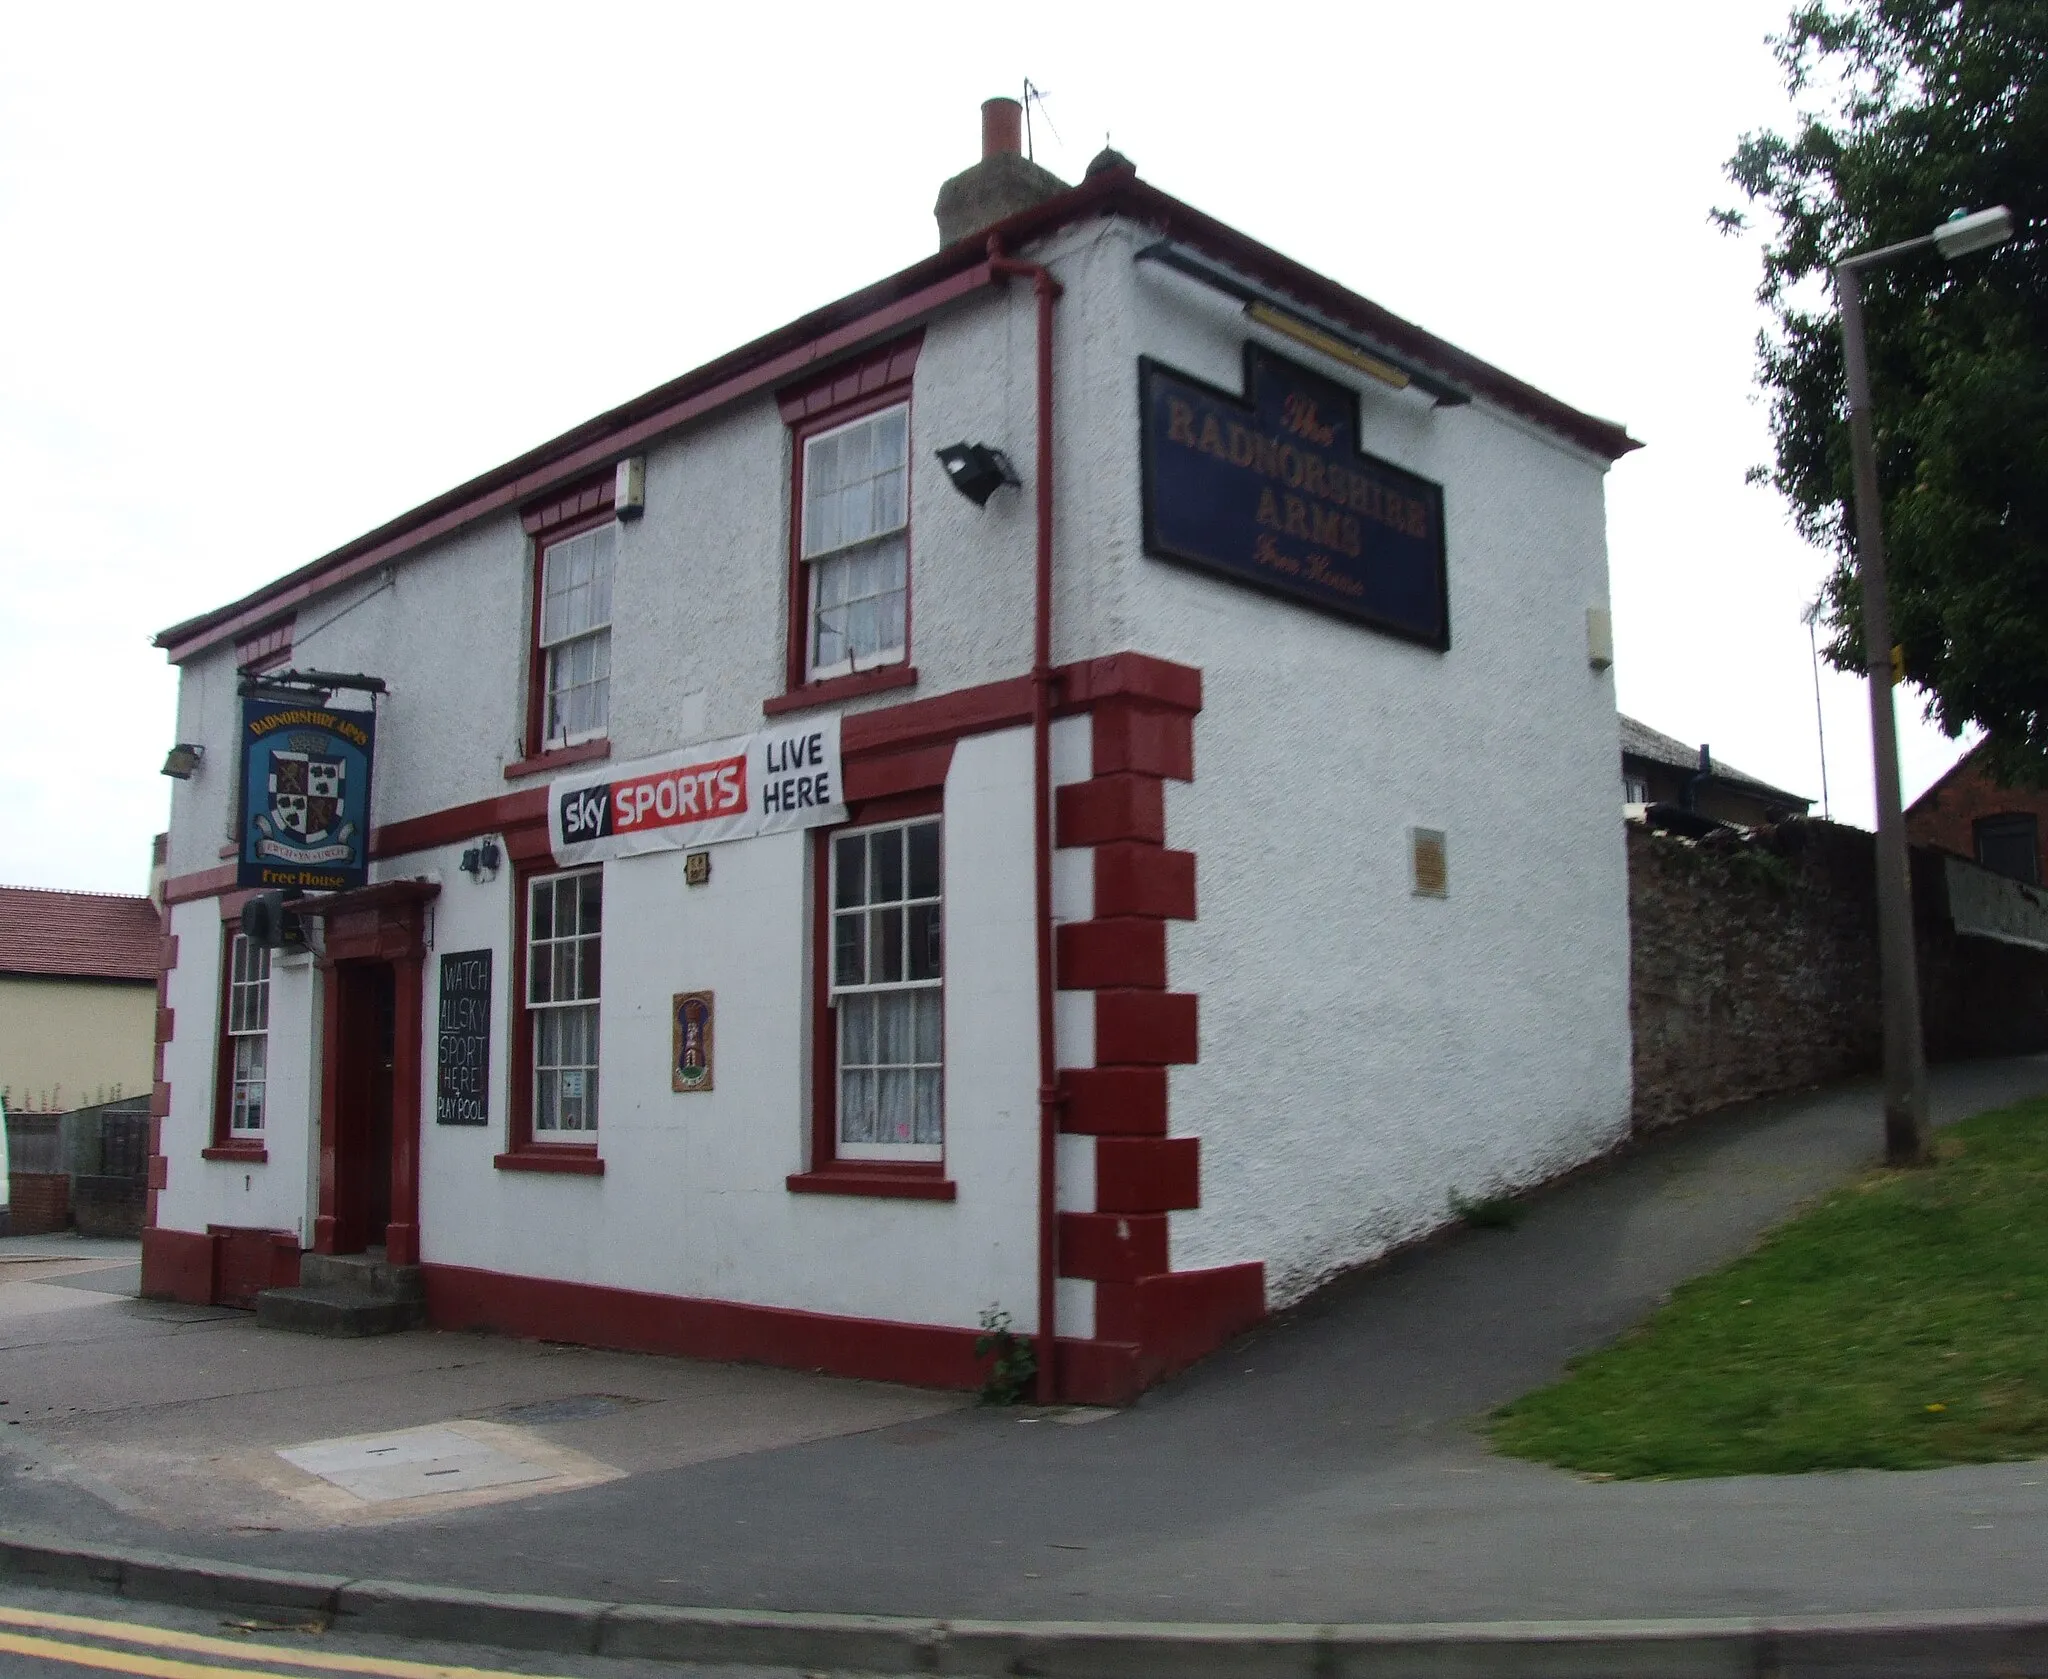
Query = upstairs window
x=855 y=544
x=246 y=1041
x=575 y=636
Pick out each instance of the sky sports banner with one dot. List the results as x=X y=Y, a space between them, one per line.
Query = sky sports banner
x=764 y=783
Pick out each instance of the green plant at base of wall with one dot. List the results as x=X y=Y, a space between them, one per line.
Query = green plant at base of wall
x=1015 y=1361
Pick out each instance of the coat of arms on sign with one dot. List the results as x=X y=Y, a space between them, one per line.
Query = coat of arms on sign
x=304 y=823
x=690 y=1061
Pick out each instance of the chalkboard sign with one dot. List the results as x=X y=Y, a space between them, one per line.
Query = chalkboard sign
x=462 y=1088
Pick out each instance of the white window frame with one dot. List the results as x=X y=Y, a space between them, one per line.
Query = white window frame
x=842 y=996
x=818 y=557
x=597 y=633
x=587 y=1001
x=246 y=1029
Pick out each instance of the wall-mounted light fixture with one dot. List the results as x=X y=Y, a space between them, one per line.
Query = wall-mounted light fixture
x=978 y=471
x=182 y=762
x=481 y=860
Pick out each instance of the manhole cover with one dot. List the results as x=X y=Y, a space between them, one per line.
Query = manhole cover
x=577 y=1407
x=413 y=1463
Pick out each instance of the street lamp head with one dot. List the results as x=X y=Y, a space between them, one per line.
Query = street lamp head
x=1963 y=233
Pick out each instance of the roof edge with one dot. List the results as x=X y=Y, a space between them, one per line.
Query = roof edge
x=1110 y=192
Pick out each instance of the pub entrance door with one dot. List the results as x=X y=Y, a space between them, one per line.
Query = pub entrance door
x=367 y=1048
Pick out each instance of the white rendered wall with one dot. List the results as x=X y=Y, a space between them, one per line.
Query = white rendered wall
x=274 y=1194
x=693 y=1200
x=1366 y=1052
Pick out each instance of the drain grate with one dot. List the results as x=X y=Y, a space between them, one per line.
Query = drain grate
x=576 y=1407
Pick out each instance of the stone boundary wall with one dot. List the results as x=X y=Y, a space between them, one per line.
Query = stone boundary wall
x=1754 y=971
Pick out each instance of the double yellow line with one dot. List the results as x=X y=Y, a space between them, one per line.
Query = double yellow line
x=248 y=1661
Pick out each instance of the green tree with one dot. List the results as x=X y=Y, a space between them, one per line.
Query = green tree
x=1911 y=109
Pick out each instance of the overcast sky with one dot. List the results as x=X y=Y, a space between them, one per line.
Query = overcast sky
x=273 y=275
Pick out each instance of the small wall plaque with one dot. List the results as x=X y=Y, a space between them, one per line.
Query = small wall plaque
x=691 y=1047
x=1432 y=862
x=697 y=868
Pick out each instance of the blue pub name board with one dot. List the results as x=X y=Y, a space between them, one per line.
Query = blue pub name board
x=1271 y=489
x=305 y=817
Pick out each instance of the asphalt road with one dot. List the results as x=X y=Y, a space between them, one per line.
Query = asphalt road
x=59 y=1635
x=1323 y=1469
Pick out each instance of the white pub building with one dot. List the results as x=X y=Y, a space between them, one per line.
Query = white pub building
x=1076 y=782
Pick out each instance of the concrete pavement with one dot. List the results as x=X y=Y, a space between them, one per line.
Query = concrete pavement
x=1322 y=1470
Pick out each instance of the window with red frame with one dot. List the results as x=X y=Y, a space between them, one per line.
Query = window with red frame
x=886 y=992
x=854 y=544
x=245 y=1040
x=573 y=636
x=564 y=938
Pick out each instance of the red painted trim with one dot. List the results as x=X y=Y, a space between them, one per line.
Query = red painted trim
x=542 y=1157
x=755 y=367
x=249 y=1259
x=1099 y=1372
x=178 y=1265
x=887 y=775
x=560 y=758
x=1122 y=951
x=236 y=1152
x=159 y=1170
x=1112 y=807
x=1147 y=1174
x=1114 y=1101
x=1145 y=1028
x=160 y=1099
x=837 y=688
x=797 y=664
x=1150 y=739
x=166 y=1024
x=265 y=648
x=1138 y=676
x=1144 y=880
x=1178 y=1317
x=1112 y=1247
x=852 y=381
x=852 y=1177
x=539 y=1308
x=203 y=883
x=938 y=720
x=586 y=504
x=528 y=808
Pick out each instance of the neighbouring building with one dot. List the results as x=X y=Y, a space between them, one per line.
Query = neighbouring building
x=1073 y=782
x=1969 y=813
x=78 y=973
x=1658 y=769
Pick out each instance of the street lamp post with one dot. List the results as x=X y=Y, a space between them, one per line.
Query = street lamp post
x=1905 y=1060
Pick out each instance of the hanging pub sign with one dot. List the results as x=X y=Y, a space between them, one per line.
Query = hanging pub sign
x=305 y=796
x=462 y=1075
x=1272 y=489
x=764 y=783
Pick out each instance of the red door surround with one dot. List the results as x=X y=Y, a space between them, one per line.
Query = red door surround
x=385 y=923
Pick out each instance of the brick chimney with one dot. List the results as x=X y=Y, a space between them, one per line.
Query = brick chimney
x=1001 y=184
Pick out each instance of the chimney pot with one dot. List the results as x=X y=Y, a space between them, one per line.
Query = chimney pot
x=1002 y=127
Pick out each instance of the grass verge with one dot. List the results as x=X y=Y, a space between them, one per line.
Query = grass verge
x=1901 y=1323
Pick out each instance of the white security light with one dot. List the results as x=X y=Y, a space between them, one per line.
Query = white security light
x=1961 y=234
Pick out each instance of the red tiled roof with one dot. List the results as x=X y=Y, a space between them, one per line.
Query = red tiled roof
x=77 y=935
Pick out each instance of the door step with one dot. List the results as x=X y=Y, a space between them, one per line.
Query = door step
x=347 y=1294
